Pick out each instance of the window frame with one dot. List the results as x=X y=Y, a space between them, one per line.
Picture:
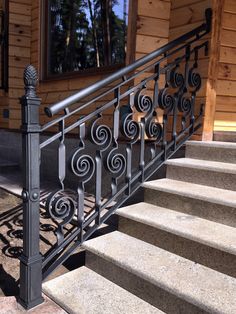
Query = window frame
x=130 y=53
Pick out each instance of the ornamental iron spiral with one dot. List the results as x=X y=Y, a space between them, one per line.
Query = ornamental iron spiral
x=82 y=166
x=166 y=101
x=60 y=207
x=100 y=135
x=184 y=104
x=115 y=163
x=154 y=130
x=130 y=128
x=142 y=103
x=176 y=78
x=194 y=80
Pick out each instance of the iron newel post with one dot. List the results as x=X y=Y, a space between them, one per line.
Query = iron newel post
x=31 y=259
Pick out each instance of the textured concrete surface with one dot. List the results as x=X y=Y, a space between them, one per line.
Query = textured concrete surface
x=214 y=151
x=205 y=288
x=195 y=191
x=213 y=234
x=200 y=240
x=84 y=291
x=208 y=203
x=210 y=173
x=9 y=305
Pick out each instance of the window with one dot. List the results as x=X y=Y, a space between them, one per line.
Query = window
x=85 y=34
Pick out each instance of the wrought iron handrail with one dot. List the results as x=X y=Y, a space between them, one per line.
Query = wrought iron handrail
x=62 y=105
x=166 y=119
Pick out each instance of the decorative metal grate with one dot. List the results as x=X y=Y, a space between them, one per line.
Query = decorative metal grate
x=138 y=117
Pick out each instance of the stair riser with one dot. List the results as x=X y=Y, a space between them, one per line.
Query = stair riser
x=147 y=291
x=201 y=208
x=211 y=153
x=204 y=177
x=190 y=249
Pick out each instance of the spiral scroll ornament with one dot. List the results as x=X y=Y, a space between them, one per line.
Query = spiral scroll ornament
x=166 y=101
x=154 y=130
x=130 y=128
x=176 y=78
x=82 y=166
x=143 y=103
x=100 y=135
x=184 y=104
x=115 y=163
x=194 y=80
x=60 y=207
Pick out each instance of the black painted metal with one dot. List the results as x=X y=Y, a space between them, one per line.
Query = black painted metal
x=110 y=160
x=31 y=259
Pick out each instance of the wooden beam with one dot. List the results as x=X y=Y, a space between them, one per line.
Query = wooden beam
x=211 y=86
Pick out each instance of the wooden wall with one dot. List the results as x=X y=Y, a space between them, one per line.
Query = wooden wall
x=3 y=99
x=19 y=55
x=151 y=16
x=157 y=22
x=185 y=16
x=225 y=115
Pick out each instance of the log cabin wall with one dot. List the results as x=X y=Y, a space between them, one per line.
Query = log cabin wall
x=155 y=23
x=186 y=15
x=151 y=22
x=3 y=100
x=19 y=55
x=225 y=116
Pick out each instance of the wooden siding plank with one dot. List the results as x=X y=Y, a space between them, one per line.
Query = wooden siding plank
x=227 y=71
x=154 y=8
x=226 y=88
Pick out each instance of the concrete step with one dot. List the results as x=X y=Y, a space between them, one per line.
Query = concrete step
x=211 y=203
x=84 y=291
x=214 y=151
x=200 y=240
x=9 y=305
x=210 y=173
x=167 y=281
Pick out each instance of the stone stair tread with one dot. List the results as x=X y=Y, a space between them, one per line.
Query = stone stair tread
x=84 y=291
x=196 y=191
x=210 y=290
x=213 y=144
x=201 y=230
x=203 y=165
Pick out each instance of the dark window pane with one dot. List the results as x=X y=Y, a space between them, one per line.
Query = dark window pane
x=86 y=34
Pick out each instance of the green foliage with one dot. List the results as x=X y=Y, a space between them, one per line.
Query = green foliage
x=80 y=31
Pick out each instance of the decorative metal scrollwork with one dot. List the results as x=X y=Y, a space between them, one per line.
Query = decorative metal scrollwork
x=194 y=79
x=166 y=100
x=82 y=166
x=184 y=104
x=60 y=206
x=142 y=103
x=115 y=163
x=130 y=128
x=176 y=78
x=100 y=135
x=154 y=130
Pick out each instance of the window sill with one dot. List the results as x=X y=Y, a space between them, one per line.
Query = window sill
x=84 y=73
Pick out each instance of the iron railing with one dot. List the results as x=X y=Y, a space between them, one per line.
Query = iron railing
x=116 y=148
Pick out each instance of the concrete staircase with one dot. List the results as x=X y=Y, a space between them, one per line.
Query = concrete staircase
x=173 y=253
